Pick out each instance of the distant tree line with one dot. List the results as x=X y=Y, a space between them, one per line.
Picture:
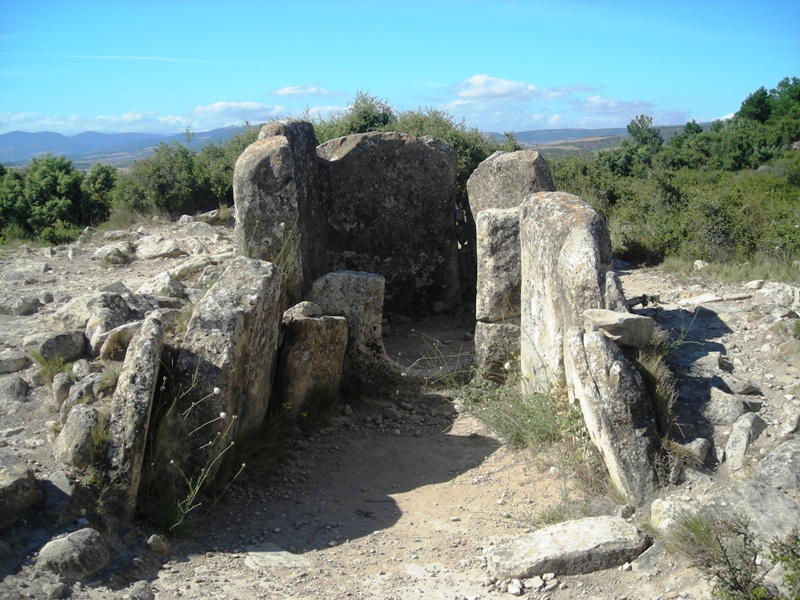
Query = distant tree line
x=729 y=194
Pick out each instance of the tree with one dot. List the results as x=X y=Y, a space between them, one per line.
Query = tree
x=97 y=186
x=643 y=133
x=757 y=106
x=52 y=195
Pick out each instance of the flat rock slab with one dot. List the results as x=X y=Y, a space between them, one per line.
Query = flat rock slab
x=270 y=556
x=570 y=548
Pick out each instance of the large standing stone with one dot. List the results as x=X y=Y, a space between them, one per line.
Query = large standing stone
x=569 y=548
x=499 y=269
x=131 y=408
x=390 y=210
x=497 y=345
x=616 y=409
x=505 y=178
x=309 y=371
x=17 y=487
x=358 y=297
x=227 y=361
x=274 y=190
x=566 y=257
x=77 y=555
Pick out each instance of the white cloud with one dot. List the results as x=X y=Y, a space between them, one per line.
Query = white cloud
x=303 y=90
x=251 y=111
x=485 y=87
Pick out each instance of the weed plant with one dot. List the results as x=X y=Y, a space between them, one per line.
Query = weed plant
x=726 y=550
x=50 y=367
x=183 y=458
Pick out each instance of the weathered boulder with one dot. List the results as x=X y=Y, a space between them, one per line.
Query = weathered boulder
x=505 y=178
x=499 y=268
x=570 y=548
x=745 y=430
x=309 y=370
x=73 y=446
x=114 y=343
x=227 y=361
x=13 y=392
x=358 y=297
x=13 y=361
x=77 y=555
x=616 y=409
x=723 y=408
x=131 y=408
x=99 y=325
x=64 y=346
x=162 y=284
x=82 y=392
x=17 y=487
x=390 y=210
x=62 y=383
x=155 y=246
x=274 y=190
x=626 y=329
x=16 y=305
x=781 y=467
x=769 y=512
x=116 y=253
x=566 y=258
x=76 y=313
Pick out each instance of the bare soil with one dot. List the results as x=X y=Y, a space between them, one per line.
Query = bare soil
x=395 y=496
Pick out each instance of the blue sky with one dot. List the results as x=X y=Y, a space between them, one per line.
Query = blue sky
x=163 y=66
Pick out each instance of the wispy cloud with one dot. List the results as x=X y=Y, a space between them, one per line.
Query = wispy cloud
x=239 y=111
x=166 y=59
x=304 y=90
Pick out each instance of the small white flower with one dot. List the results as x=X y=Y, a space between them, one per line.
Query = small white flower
x=507 y=366
x=217 y=391
x=222 y=415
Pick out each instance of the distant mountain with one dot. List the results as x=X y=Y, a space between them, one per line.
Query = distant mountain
x=89 y=147
x=122 y=149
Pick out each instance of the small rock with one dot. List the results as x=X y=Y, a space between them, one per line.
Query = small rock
x=77 y=555
x=158 y=543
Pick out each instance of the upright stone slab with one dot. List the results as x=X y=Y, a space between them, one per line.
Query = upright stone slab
x=309 y=371
x=497 y=301
x=227 y=362
x=566 y=259
x=131 y=407
x=505 y=178
x=616 y=409
x=17 y=487
x=274 y=191
x=358 y=297
x=390 y=210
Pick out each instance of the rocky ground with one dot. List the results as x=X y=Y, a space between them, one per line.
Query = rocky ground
x=400 y=496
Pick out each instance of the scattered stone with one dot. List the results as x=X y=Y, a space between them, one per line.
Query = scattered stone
x=781 y=467
x=76 y=313
x=570 y=548
x=155 y=246
x=158 y=543
x=65 y=346
x=15 y=305
x=664 y=513
x=77 y=555
x=163 y=284
x=62 y=383
x=268 y=556
x=723 y=408
x=745 y=431
x=13 y=392
x=74 y=446
x=626 y=329
x=17 y=487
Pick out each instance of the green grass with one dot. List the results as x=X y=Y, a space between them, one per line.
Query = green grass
x=50 y=367
x=740 y=272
